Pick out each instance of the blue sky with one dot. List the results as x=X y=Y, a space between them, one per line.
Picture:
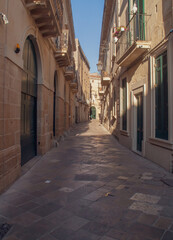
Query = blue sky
x=87 y=17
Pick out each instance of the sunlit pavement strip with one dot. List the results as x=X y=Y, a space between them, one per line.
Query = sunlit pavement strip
x=147 y=176
x=146 y=203
x=66 y=189
x=147 y=208
x=145 y=198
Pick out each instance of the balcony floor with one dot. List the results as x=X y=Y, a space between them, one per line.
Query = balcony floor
x=133 y=53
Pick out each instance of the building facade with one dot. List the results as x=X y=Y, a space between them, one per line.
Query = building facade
x=136 y=59
x=83 y=95
x=95 y=101
x=37 y=80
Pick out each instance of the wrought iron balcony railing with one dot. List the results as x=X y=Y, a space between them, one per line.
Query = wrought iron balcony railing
x=63 y=50
x=70 y=71
x=134 y=41
x=74 y=84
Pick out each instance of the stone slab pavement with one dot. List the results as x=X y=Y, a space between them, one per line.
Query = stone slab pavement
x=90 y=188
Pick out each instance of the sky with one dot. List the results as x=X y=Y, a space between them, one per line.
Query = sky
x=87 y=18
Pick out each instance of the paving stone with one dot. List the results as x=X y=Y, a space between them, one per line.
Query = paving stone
x=146 y=208
x=168 y=236
x=86 y=177
x=29 y=206
x=94 y=196
x=25 y=219
x=84 y=235
x=145 y=198
x=163 y=223
x=40 y=228
x=46 y=209
x=48 y=237
x=167 y=212
x=150 y=232
x=66 y=189
x=107 y=238
x=147 y=219
x=96 y=228
x=58 y=217
x=74 y=223
x=117 y=234
x=62 y=233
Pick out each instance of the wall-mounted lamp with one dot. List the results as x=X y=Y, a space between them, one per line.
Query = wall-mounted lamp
x=17 y=49
x=4 y=18
x=99 y=66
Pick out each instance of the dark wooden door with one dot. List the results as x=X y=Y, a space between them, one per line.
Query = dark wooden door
x=28 y=104
x=139 y=121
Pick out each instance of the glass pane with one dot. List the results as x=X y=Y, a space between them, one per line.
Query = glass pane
x=164 y=59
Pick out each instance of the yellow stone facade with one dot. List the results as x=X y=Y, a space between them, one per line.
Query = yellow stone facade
x=136 y=37
x=52 y=42
x=83 y=95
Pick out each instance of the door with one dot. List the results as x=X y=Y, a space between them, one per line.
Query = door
x=139 y=99
x=28 y=104
x=139 y=21
x=54 y=104
x=93 y=112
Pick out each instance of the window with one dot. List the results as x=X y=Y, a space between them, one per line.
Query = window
x=161 y=97
x=124 y=104
x=114 y=101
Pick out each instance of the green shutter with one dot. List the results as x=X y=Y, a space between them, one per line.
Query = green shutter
x=161 y=97
x=124 y=118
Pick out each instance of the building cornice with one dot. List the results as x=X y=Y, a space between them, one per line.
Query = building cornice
x=71 y=27
x=109 y=8
x=83 y=54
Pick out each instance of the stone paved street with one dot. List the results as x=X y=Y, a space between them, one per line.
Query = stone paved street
x=90 y=188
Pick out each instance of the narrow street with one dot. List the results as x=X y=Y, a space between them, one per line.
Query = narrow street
x=89 y=188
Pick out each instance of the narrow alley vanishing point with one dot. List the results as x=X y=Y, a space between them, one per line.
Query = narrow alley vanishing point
x=90 y=188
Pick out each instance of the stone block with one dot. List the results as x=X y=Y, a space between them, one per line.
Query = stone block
x=1 y=110
x=10 y=164
x=11 y=152
x=17 y=137
x=1 y=127
x=7 y=110
x=9 y=140
x=1 y=142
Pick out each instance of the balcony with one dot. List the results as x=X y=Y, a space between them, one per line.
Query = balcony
x=105 y=78
x=63 y=49
x=74 y=86
x=48 y=16
x=70 y=72
x=101 y=92
x=133 y=42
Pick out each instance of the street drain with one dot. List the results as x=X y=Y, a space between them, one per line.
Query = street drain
x=86 y=177
x=4 y=228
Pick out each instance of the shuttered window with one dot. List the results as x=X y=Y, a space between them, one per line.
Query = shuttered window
x=161 y=97
x=124 y=101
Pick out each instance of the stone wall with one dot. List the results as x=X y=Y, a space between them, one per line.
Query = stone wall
x=10 y=98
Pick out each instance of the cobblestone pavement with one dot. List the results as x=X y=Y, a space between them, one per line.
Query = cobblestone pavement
x=90 y=188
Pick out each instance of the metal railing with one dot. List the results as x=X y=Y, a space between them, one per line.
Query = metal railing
x=63 y=43
x=70 y=68
x=135 y=30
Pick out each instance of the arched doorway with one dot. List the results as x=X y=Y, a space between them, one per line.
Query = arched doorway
x=29 y=103
x=54 y=103
x=93 y=112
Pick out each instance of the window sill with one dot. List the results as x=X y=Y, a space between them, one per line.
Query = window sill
x=161 y=143
x=124 y=133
